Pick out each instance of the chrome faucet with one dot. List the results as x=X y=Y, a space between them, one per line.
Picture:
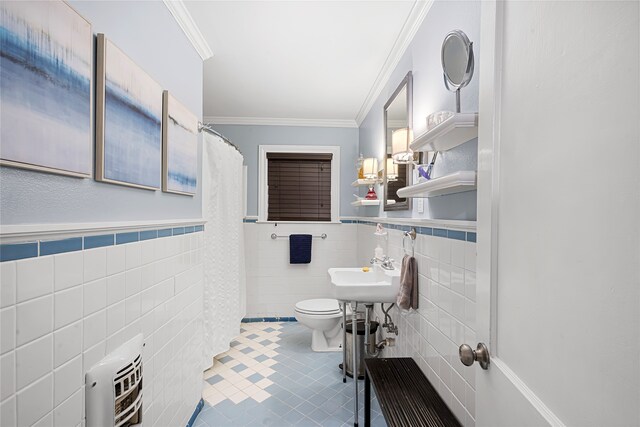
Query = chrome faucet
x=386 y=262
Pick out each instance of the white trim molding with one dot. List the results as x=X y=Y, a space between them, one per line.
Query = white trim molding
x=273 y=121
x=24 y=232
x=410 y=28
x=189 y=27
x=263 y=173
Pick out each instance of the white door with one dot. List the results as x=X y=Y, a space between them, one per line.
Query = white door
x=559 y=214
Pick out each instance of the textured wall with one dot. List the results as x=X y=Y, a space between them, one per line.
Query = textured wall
x=147 y=33
x=248 y=138
x=429 y=95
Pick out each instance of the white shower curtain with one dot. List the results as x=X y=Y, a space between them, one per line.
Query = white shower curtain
x=224 y=275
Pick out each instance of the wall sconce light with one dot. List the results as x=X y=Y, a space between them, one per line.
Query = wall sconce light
x=370 y=168
x=400 y=140
x=392 y=170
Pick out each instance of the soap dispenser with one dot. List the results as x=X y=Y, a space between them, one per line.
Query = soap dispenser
x=378 y=253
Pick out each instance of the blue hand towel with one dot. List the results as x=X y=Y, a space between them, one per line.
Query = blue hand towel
x=300 y=248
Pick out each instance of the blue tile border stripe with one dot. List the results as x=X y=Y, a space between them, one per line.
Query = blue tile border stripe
x=122 y=238
x=195 y=414
x=165 y=232
x=52 y=247
x=15 y=251
x=22 y=250
x=148 y=235
x=468 y=236
x=91 y=242
x=268 y=319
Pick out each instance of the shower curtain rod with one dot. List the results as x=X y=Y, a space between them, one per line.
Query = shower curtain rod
x=207 y=128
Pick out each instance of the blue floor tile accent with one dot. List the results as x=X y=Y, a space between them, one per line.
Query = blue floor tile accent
x=195 y=414
x=255 y=378
x=261 y=358
x=239 y=368
x=214 y=379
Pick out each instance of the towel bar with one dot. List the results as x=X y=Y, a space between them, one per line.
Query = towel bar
x=274 y=236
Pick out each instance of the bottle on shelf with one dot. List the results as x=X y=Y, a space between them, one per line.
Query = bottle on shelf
x=359 y=166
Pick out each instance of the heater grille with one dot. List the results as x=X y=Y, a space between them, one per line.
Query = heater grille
x=114 y=388
x=127 y=387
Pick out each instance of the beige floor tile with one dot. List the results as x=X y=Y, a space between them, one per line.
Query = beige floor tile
x=238 y=397
x=261 y=396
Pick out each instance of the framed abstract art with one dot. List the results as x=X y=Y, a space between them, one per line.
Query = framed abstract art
x=46 y=88
x=179 y=147
x=128 y=120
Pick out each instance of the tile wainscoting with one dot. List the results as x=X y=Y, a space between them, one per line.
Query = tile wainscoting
x=273 y=285
x=446 y=257
x=76 y=299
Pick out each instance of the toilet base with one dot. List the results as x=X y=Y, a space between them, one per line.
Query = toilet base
x=327 y=341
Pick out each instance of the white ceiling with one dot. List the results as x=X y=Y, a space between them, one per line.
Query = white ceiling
x=299 y=62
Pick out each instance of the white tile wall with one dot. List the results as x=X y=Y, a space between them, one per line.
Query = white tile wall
x=273 y=285
x=445 y=318
x=61 y=314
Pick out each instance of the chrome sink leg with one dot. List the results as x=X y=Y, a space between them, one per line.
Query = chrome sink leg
x=354 y=351
x=344 y=342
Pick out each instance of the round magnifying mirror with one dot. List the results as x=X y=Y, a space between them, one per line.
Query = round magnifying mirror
x=457 y=60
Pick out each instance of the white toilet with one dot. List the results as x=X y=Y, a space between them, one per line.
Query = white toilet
x=324 y=318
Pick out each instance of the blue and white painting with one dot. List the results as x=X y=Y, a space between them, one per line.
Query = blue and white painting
x=181 y=148
x=46 y=53
x=132 y=147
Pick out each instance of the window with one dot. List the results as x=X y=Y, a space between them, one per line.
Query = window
x=299 y=183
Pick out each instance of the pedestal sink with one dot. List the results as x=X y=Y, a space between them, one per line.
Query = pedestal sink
x=373 y=286
x=361 y=286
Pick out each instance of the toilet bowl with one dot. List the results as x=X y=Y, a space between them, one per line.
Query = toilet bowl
x=323 y=317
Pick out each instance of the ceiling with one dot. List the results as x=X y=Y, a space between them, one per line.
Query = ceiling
x=299 y=62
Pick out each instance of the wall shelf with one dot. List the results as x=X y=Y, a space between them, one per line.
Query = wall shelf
x=364 y=202
x=454 y=131
x=360 y=182
x=457 y=182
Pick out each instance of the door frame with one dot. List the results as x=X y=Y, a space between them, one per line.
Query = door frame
x=499 y=382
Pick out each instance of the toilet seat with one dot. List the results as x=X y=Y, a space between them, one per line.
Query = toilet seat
x=321 y=306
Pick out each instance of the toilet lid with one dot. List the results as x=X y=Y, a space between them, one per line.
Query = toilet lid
x=321 y=306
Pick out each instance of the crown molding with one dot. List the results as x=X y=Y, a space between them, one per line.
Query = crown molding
x=272 y=121
x=409 y=29
x=189 y=27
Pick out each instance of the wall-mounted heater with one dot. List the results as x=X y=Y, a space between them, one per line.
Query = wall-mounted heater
x=114 y=388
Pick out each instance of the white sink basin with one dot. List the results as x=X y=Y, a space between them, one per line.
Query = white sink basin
x=375 y=285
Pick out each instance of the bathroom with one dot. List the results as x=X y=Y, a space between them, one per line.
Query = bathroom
x=135 y=293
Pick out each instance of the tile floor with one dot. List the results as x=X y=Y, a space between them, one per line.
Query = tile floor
x=270 y=377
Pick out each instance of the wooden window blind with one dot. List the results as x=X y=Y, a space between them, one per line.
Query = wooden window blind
x=299 y=186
